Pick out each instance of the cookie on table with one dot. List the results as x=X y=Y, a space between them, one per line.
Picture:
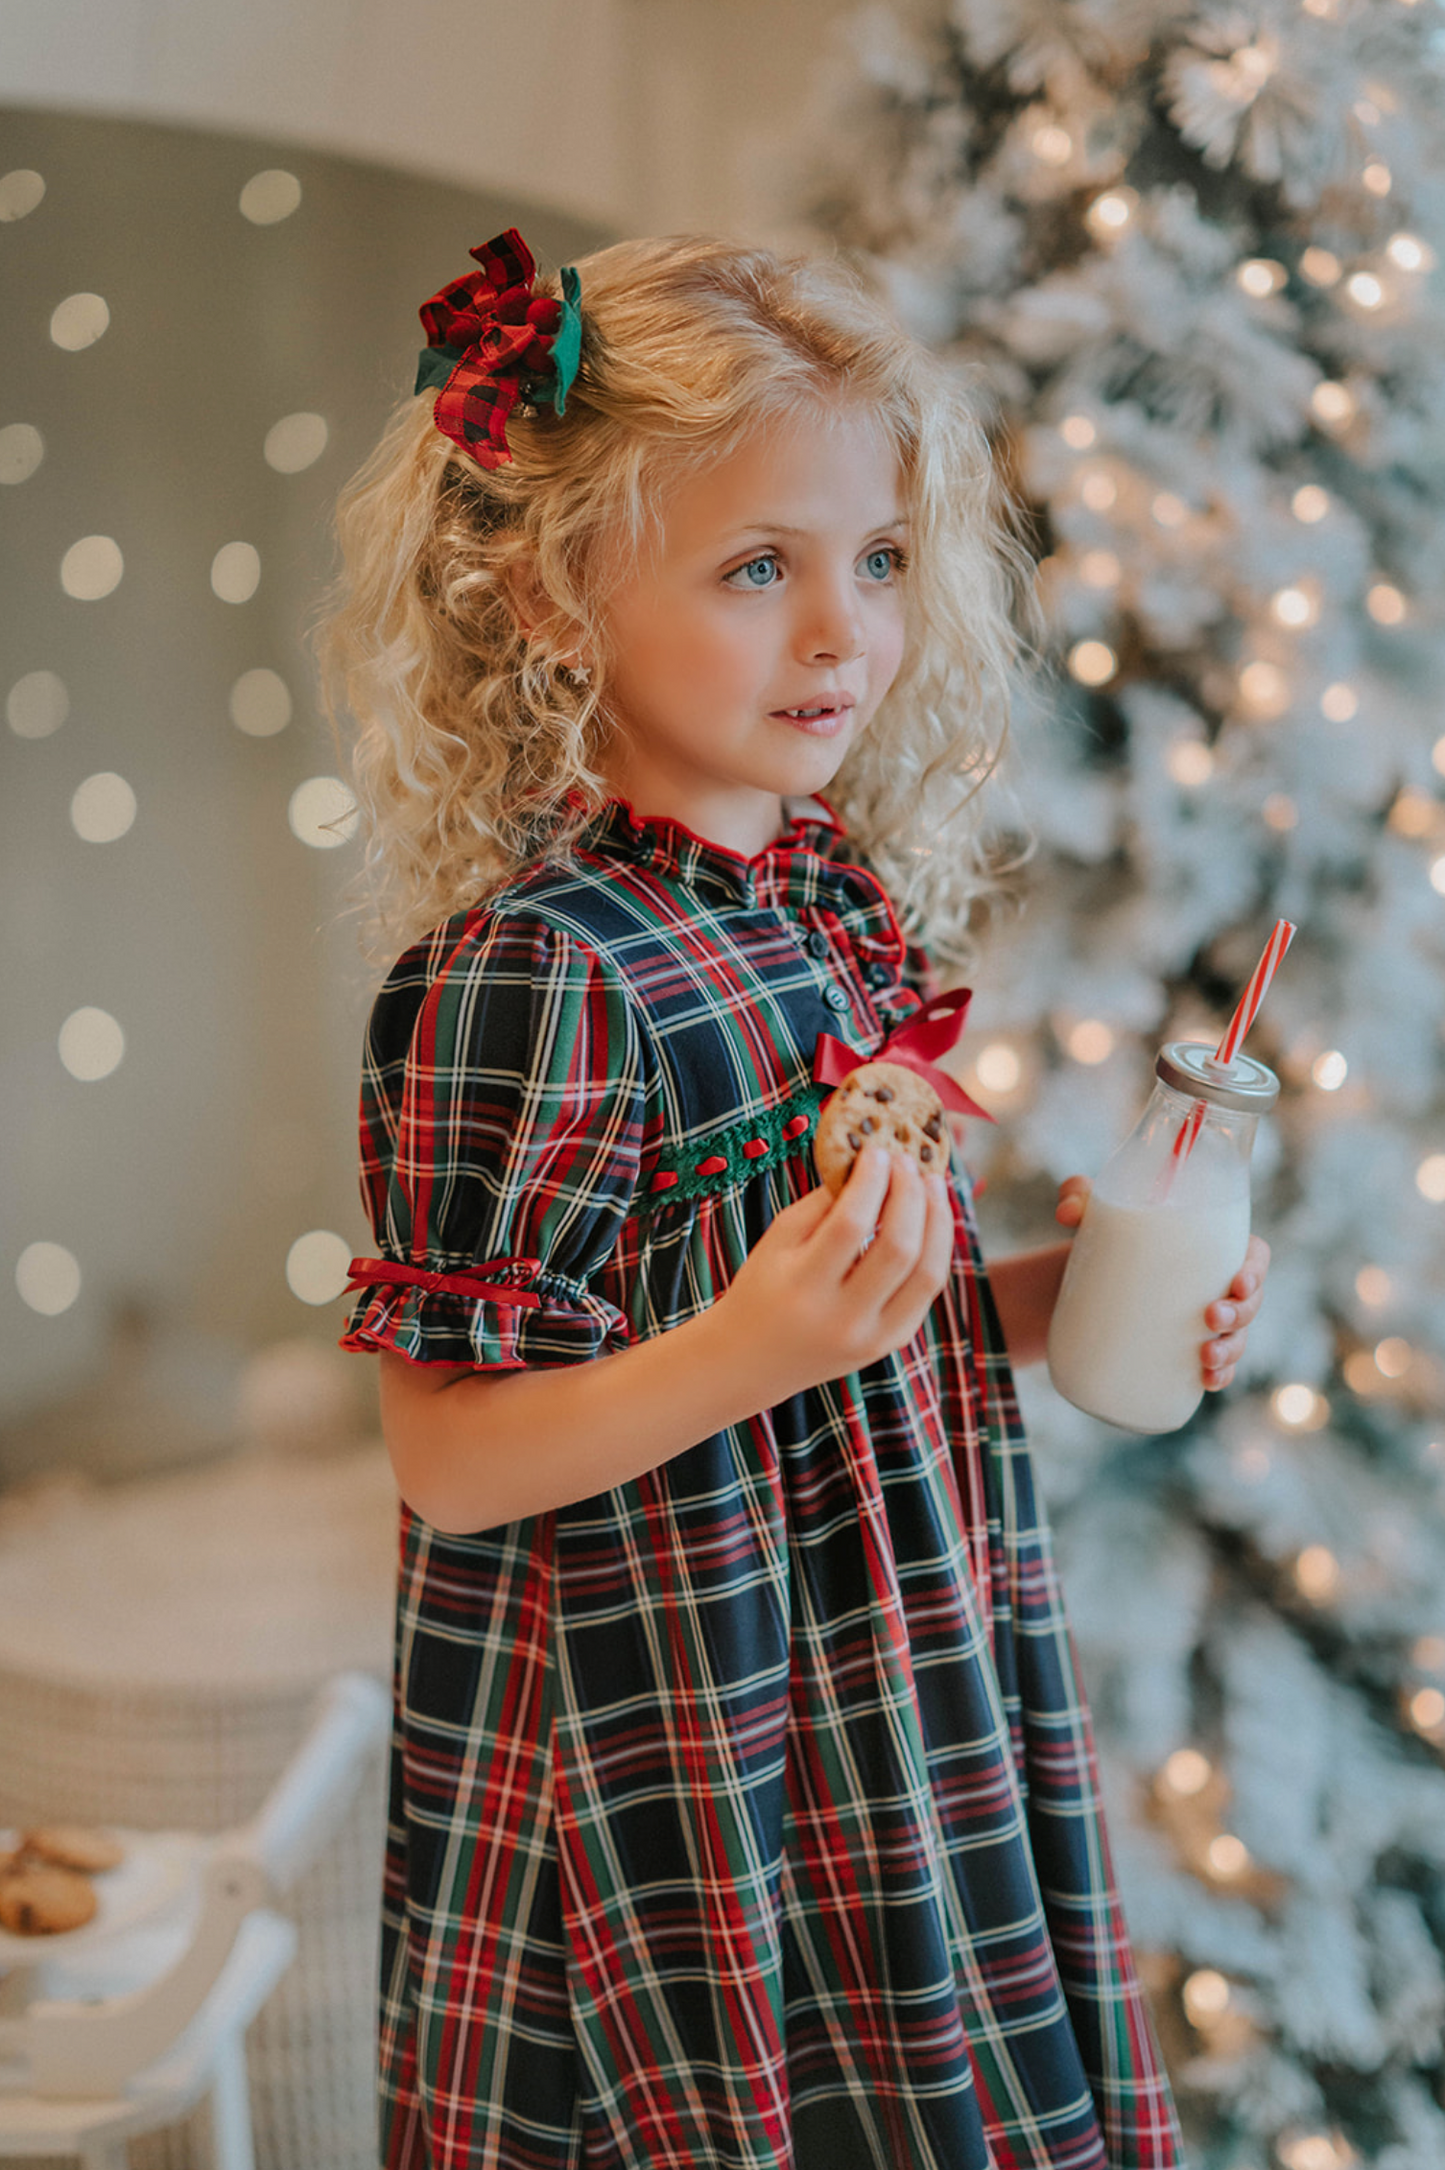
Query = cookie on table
x=40 y=1900
x=72 y=1846
x=880 y=1103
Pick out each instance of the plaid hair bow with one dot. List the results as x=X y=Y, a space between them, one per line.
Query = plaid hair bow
x=492 y=341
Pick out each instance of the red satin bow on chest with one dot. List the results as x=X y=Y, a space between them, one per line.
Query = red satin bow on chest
x=928 y=1033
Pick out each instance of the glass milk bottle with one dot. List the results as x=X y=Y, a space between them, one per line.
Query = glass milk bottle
x=1163 y=1235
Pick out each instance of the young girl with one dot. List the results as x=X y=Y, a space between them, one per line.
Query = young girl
x=744 y=1810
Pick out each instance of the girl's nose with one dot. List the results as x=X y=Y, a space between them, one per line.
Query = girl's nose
x=831 y=626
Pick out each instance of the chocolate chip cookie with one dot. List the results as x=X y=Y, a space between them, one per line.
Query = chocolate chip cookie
x=880 y=1103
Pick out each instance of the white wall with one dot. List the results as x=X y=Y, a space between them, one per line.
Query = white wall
x=643 y=115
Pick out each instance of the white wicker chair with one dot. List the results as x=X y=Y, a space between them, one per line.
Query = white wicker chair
x=135 y=2030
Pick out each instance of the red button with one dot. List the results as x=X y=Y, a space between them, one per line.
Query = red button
x=795 y=1127
x=715 y=1165
x=663 y=1181
x=754 y=1147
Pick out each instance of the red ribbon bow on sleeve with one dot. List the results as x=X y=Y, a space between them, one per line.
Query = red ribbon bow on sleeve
x=931 y=1031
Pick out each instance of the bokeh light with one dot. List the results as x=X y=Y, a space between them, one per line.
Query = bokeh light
x=1310 y=503
x=37 y=704
x=1430 y=1178
x=1090 y=1041
x=998 y=1067
x=1299 y=1407
x=318 y=1266
x=21 y=191
x=260 y=703
x=296 y=442
x=78 y=321
x=91 y=1044
x=1187 y=1772
x=92 y=568
x=48 y=1278
x=103 y=808
x=236 y=572
x=1339 y=703
x=322 y=812
x=1206 y=1996
x=1320 y=266
x=1329 y=1070
x=1092 y=662
x=22 y=448
x=270 y=196
x=1317 y=1573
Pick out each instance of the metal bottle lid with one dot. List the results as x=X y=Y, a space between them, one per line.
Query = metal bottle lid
x=1244 y=1085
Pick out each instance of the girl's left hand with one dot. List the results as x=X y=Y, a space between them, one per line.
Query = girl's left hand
x=1229 y=1319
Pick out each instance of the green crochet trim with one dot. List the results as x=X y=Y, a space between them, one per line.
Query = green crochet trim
x=728 y=1145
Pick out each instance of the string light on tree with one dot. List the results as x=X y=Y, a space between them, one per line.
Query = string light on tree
x=1092 y=662
x=1310 y=504
x=1078 y=432
x=1320 y=267
x=1206 y=1997
x=1190 y=762
x=1317 y=1574
x=1316 y=2151
x=1339 y=702
x=1264 y=689
x=1299 y=1408
x=1410 y=253
x=1090 y=1041
x=1186 y=1773
x=1378 y=178
x=1296 y=606
x=1365 y=289
x=1109 y=214
x=1261 y=276
x=1386 y=604
x=1052 y=144
x=1333 y=404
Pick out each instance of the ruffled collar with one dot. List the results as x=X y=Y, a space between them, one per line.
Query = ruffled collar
x=670 y=848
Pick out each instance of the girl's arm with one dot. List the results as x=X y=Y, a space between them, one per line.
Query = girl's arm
x=1026 y=1288
x=474 y=1449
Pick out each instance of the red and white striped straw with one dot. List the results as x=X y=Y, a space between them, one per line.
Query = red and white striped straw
x=1244 y=1016
x=1283 y=934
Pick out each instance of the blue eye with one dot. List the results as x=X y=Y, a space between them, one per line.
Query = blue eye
x=760 y=572
x=882 y=564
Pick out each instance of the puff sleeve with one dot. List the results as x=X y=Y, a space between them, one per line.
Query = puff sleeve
x=502 y=1125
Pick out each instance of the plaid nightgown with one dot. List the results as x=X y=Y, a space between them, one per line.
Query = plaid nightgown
x=744 y=1815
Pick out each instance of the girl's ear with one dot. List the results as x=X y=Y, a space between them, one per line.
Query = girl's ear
x=537 y=615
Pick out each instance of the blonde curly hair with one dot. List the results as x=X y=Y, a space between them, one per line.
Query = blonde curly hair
x=476 y=749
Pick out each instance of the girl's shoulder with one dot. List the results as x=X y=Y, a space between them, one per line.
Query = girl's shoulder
x=544 y=931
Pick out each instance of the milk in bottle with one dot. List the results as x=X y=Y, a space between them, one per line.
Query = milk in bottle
x=1165 y=1231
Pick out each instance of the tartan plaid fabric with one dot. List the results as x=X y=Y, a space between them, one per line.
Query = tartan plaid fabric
x=745 y=1815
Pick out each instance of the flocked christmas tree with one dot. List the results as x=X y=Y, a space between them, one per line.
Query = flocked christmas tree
x=1192 y=249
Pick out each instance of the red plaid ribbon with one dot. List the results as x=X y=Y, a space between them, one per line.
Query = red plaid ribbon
x=930 y=1031
x=488 y=334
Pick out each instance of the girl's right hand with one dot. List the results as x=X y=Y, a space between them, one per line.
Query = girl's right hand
x=837 y=1283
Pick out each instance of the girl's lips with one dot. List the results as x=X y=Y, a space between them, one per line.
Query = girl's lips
x=820 y=719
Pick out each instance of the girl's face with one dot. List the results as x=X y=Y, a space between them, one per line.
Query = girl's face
x=753 y=644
